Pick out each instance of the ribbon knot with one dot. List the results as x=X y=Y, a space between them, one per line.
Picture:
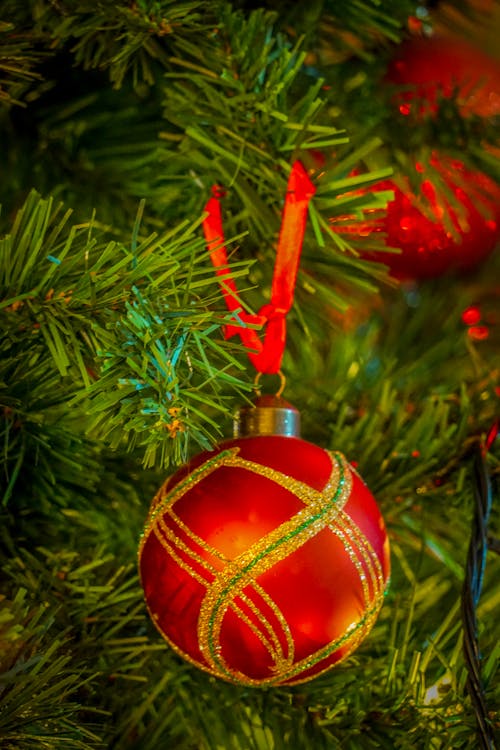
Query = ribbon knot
x=271 y=312
x=218 y=192
x=266 y=354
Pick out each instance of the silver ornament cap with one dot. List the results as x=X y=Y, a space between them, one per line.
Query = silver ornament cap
x=268 y=415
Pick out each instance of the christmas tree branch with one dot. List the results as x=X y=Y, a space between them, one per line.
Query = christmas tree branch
x=112 y=353
x=20 y=55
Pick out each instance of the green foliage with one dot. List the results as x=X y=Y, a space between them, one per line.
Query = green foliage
x=135 y=320
x=19 y=58
x=236 y=110
x=342 y=29
x=113 y=363
x=122 y=38
x=177 y=383
x=39 y=684
x=239 y=118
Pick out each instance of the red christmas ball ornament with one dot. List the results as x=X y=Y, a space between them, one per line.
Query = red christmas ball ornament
x=265 y=561
x=452 y=222
x=451 y=225
x=431 y=68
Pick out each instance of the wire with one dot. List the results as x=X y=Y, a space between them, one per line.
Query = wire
x=471 y=592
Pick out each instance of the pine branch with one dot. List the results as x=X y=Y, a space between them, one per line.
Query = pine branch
x=39 y=684
x=107 y=323
x=162 y=380
x=127 y=39
x=335 y=31
x=20 y=57
x=95 y=147
x=135 y=320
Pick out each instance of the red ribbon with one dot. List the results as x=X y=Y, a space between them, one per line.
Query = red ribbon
x=265 y=355
x=492 y=435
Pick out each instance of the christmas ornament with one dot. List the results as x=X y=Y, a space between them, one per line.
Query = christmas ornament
x=265 y=561
x=451 y=225
x=437 y=67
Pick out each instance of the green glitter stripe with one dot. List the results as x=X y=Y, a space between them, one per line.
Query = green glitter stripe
x=195 y=539
x=212 y=646
x=171 y=543
x=169 y=546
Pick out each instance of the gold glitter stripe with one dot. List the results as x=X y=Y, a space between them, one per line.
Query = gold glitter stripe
x=169 y=497
x=360 y=551
x=272 y=548
x=367 y=552
x=167 y=536
x=171 y=551
x=168 y=539
x=358 y=548
x=351 y=639
x=278 y=656
x=257 y=588
x=361 y=629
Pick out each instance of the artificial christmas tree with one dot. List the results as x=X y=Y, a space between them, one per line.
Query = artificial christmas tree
x=117 y=121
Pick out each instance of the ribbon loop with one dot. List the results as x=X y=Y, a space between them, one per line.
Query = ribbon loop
x=265 y=355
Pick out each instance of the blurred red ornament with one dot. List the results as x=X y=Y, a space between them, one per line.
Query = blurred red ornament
x=452 y=222
x=265 y=561
x=431 y=68
x=451 y=225
x=471 y=315
x=479 y=333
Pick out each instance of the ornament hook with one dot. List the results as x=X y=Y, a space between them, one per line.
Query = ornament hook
x=281 y=388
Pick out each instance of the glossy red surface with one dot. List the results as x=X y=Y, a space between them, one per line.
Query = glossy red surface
x=317 y=587
x=451 y=238
x=432 y=68
x=447 y=228
x=452 y=223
